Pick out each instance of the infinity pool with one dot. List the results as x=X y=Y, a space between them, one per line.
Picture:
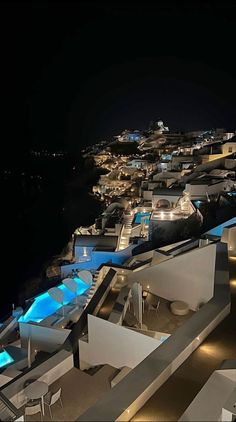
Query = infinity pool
x=44 y=305
x=5 y=358
x=218 y=231
x=140 y=215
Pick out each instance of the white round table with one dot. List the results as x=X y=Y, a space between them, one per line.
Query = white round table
x=36 y=390
x=179 y=308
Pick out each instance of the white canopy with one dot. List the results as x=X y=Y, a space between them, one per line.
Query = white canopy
x=85 y=276
x=56 y=294
x=71 y=284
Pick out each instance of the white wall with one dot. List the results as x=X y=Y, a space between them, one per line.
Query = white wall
x=141 y=257
x=147 y=194
x=207 y=405
x=136 y=230
x=42 y=338
x=158 y=257
x=226 y=148
x=114 y=345
x=188 y=277
x=200 y=190
x=98 y=258
x=229 y=237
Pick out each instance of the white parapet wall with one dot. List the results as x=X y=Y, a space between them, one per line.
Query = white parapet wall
x=113 y=344
x=210 y=401
x=229 y=237
x=46 y=339
x=188 y=277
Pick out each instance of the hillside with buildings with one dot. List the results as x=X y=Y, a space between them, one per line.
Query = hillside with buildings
x=137 y=294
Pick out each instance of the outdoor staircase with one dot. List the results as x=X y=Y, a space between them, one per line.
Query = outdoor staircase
x=93 y=369
x=125 y=232
x=95 y=285
x=101 y=371
x=95 y=276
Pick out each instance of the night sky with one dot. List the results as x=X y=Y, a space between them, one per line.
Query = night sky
x=77 y=73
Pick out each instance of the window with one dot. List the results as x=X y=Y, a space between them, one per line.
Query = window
x=230 y=149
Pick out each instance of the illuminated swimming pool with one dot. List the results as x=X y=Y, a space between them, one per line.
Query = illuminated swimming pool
x=218 y=231
x=44 y=305
x=140 y=215
x=5 y=358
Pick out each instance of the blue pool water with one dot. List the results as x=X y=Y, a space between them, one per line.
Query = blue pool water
x=217 y=231
x=44 y=305
x=197 y=203
x=138 y=217
x=5 y=359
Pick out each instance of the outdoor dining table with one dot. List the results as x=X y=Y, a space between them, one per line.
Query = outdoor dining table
x=37 y=390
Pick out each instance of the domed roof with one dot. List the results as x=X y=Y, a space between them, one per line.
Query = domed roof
x=163 y=203
x=121 y=203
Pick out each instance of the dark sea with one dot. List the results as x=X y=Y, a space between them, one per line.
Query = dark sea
x=43 y=201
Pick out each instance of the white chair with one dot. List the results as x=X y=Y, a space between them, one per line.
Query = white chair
x=32 y=410
x=51 y=399
x=154 y=307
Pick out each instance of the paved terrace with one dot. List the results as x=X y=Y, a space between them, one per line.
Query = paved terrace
x=163 y=320
x=79 y=391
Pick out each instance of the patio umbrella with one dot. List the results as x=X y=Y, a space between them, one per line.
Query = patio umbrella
x=71 y=285
x=86 y=276
x=57 y=295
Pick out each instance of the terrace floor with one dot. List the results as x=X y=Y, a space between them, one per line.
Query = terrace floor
x=79 y=392
x=163 y=320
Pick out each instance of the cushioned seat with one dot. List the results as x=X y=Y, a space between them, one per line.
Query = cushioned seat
x=179 y=308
